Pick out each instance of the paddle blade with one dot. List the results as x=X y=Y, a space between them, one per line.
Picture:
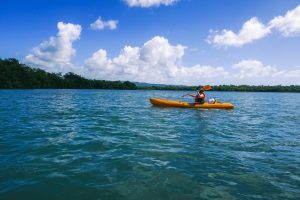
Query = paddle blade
x=207 y=87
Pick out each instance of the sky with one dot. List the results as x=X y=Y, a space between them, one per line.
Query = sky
x=185 y=42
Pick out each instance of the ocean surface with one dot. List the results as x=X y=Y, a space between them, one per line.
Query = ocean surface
x=110 y=144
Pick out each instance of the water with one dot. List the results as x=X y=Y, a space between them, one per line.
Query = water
x=104 y=144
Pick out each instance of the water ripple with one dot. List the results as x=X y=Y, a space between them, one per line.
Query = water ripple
x=104 y=144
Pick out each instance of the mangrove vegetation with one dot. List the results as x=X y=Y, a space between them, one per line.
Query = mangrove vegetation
x=14 y=75
x=238 y=88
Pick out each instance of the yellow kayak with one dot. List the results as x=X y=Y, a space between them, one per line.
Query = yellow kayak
x=171 y=103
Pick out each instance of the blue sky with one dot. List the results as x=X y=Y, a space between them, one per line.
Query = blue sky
x=158 y=41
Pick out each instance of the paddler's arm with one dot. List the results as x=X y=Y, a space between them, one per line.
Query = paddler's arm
x=188 y=95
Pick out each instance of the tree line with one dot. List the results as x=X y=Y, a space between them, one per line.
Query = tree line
x=14 y=75
x=240 y=88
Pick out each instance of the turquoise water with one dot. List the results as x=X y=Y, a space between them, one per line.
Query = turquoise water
x=105 y=144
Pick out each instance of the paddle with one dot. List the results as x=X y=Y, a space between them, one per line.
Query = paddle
x=205 y=87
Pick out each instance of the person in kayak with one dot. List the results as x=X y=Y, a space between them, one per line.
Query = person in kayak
x=199 y=97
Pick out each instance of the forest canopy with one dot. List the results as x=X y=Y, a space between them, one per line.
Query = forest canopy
x=14 y=75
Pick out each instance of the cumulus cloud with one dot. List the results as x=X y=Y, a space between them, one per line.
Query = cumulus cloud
x=253 y=29
x=293 y=74
x=55 y=54
x=255 y=72
x=288 y=25
x=149 y=3
x=156 y=61
x=254 y=68
x=99 y=24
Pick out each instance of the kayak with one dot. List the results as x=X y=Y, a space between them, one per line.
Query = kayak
x=171 y=103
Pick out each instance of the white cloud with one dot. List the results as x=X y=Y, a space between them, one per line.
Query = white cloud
x=99 y=24
x=55 y=54
x=157 y=61
x=202 y=74
x=252 y=30
x=288 y=25
x=293 y=74
x=255 y=72
x=254 y=68
x=292 y=77
x=149 y=3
